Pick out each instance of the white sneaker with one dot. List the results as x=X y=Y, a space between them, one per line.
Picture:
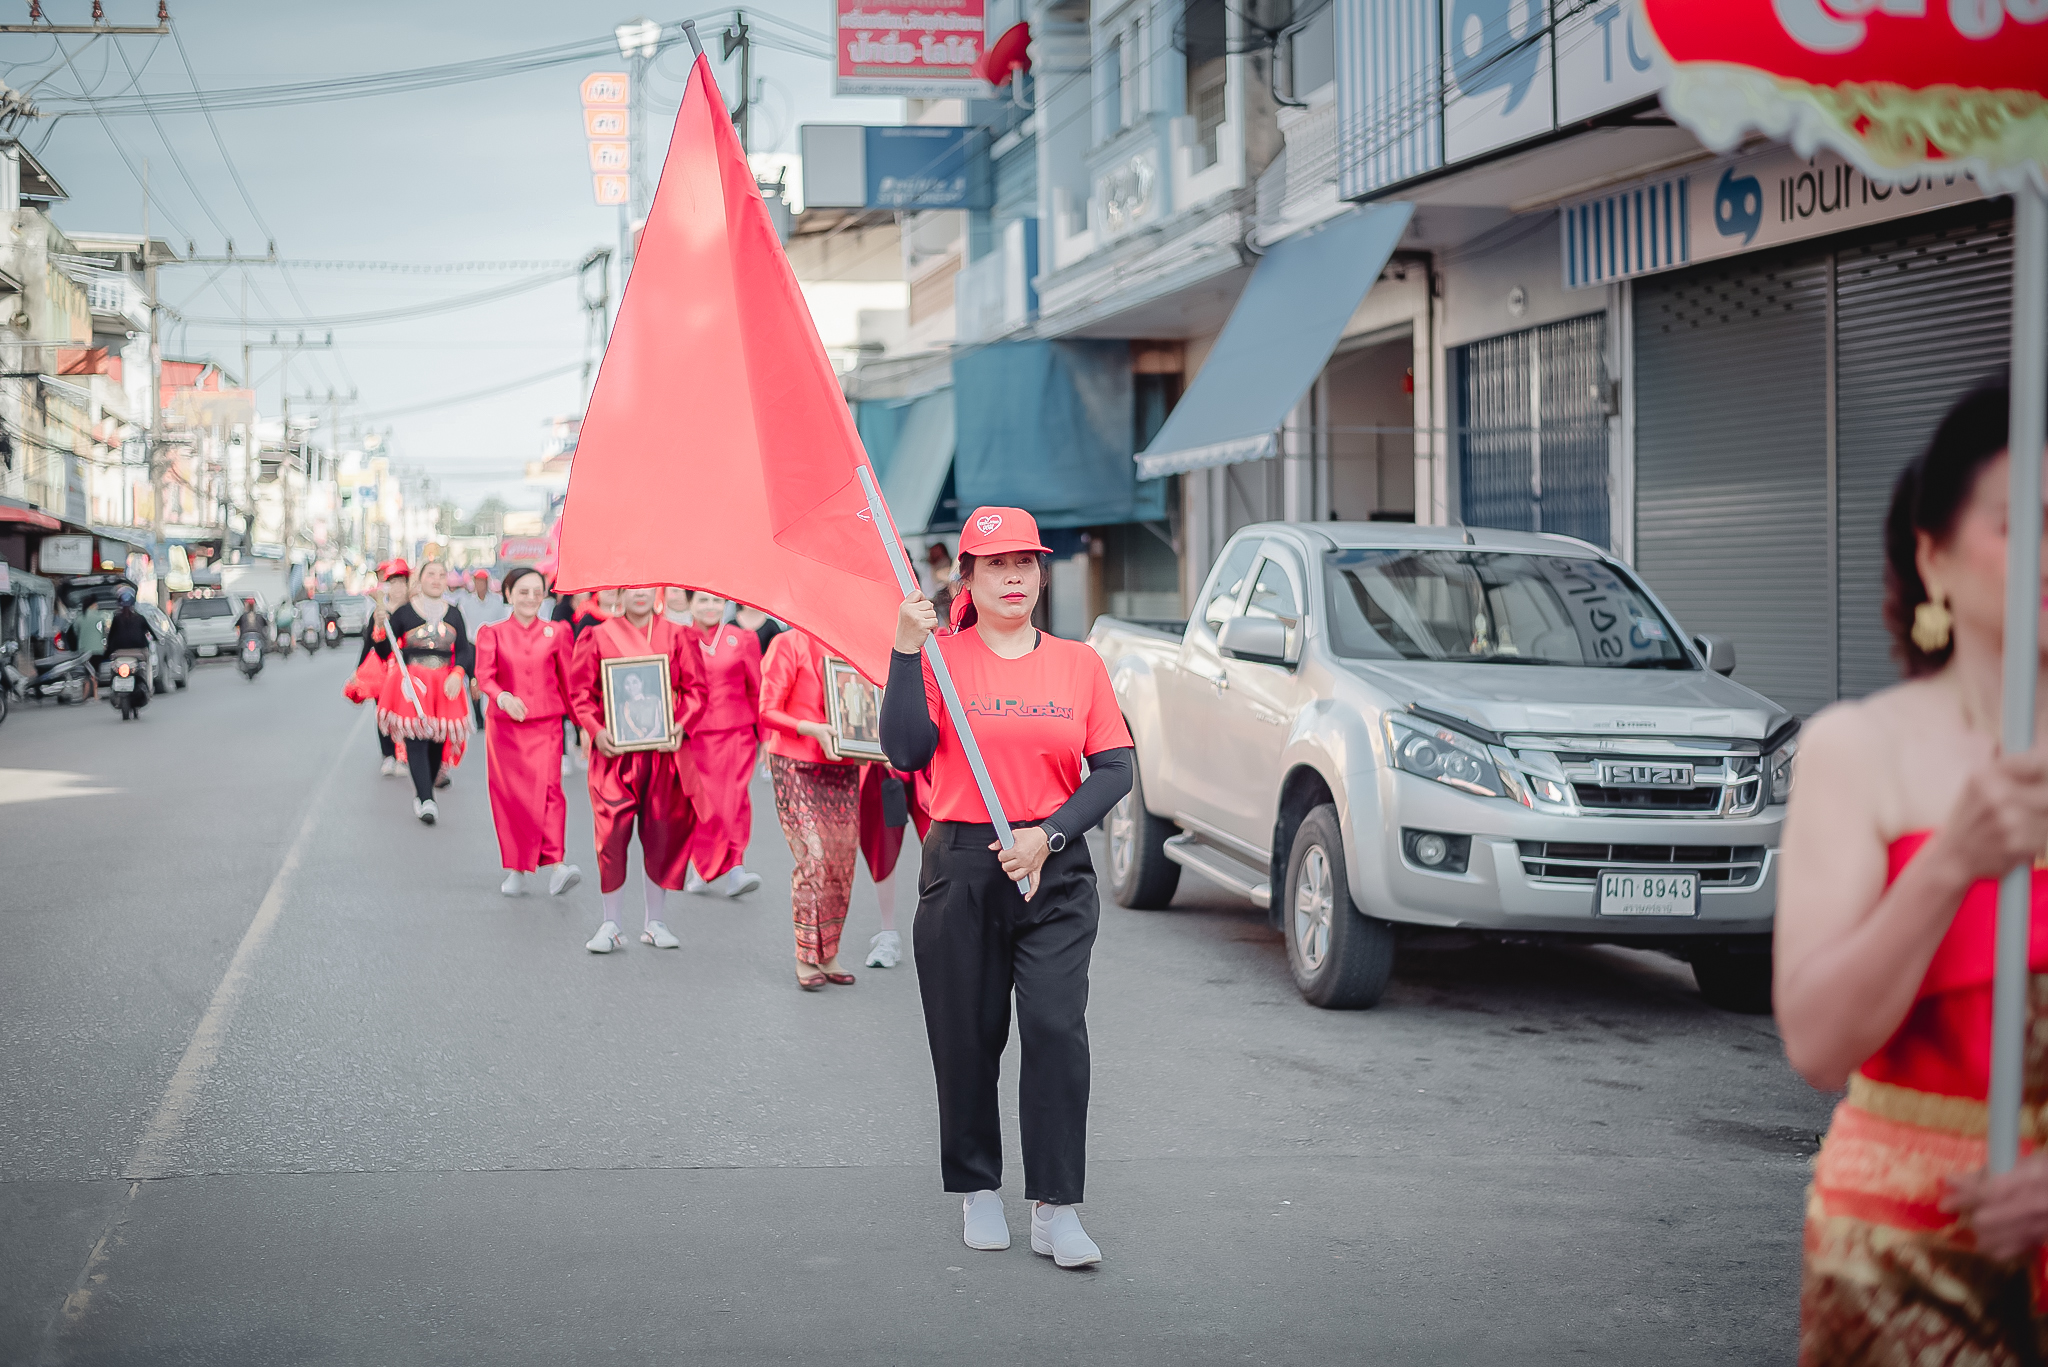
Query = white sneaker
x=885 y=950
x=1056 y=1233
x=982 y=1218
x=606 y=940
x=734 y=882
x=514 y=884
x=693 y=881
x=425 y=810
x=390 y=766
x=566 y=876
x=657 y=935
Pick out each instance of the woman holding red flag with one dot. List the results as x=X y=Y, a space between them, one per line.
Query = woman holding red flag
x=817 y=798
x=522 y=670
x=724 y=744
x=423 y=702
x=1039 y=707
x=650 y=789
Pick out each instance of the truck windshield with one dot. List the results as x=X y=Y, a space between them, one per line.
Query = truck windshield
x=1493 y=608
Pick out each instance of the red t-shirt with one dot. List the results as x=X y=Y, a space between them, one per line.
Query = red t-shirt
x=1035 y=717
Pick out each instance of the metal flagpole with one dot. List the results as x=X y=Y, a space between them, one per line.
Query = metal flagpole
x=892 y=547
x=2022 y=646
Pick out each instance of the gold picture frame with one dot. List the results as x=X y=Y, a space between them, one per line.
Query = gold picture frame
x=639 y=704
x=853 y=709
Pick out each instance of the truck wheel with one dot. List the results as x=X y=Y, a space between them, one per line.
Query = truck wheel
x=1734 y=979
x=1140 y=875
x=1341 y=957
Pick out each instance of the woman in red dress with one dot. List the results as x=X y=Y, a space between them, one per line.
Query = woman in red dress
x=725 y=744
x=522 y=669
x=424 y=703
x=1904 y=816
x=817 y=799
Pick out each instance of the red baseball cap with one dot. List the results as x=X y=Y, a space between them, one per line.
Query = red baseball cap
x=992 y=531
x=394 y=569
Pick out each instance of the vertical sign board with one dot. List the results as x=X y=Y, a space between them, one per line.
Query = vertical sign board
x=921 y=48
x=605 y=124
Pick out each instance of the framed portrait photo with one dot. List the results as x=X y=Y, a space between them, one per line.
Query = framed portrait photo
x=853 y=709
x=639 y=709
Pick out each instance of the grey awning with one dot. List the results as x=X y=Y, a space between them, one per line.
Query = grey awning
x=1290 y=316
x=916 y=473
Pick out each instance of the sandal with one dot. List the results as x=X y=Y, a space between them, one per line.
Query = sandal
x=811 y=984
x=842 y=979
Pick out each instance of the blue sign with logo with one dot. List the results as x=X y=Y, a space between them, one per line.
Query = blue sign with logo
x=927 y=166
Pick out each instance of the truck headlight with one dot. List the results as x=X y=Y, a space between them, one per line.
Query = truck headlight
x=1779 y=767
x=1442 y=754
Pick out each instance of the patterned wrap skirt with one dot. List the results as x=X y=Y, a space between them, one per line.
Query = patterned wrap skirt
x=819 y=806
x=1890 y=1277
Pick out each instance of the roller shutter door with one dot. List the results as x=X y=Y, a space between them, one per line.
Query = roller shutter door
x=1731 y=464
x=1919 y=322
x=1533 y=430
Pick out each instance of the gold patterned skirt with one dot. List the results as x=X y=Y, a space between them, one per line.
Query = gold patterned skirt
x=1891 y=1278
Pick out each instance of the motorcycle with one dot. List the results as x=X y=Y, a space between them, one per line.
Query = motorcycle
x=284 y=642
x=331 y=629
x=129 y=683
x=67 y=677
x=249 y=655
x=309 y=637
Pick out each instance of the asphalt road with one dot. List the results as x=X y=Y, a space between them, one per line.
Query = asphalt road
x=283 y=1078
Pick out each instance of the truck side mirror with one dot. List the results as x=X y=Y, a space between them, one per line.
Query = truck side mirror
x=1717 y=651
x=1262 y=640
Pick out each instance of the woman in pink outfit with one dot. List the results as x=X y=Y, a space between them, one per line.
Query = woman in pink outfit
x=522 y=670
x=725 y=744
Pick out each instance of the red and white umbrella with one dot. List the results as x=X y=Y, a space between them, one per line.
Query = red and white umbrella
x=1905 y=89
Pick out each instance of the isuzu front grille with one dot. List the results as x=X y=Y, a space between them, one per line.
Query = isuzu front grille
x=1719 y=866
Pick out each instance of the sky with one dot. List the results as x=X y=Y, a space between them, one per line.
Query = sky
x=490 y=171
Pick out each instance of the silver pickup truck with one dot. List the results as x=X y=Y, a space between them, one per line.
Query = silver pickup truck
x=1418 y=730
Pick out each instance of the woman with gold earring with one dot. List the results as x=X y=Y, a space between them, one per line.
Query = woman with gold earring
x=1903 y=817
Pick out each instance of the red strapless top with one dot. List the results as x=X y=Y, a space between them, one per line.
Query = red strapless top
x=1944 y=1044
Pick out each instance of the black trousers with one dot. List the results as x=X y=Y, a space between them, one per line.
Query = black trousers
x=385 y=745
x=977 y=941
x=423 y=758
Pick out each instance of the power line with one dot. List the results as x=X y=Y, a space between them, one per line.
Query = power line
x=395 y=315
x=474 y=395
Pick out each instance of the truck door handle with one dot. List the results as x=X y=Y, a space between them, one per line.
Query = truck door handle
x=1219 y=681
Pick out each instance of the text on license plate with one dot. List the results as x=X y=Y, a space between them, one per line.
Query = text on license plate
x=124 y=683
x=1647 y=892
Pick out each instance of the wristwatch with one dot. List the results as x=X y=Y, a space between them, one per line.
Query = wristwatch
x=1055 y=838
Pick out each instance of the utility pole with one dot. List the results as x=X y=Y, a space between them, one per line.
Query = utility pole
x=158 y=483
x=289 y=349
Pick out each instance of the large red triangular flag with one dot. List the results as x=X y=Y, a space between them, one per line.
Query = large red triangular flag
x=717 y=451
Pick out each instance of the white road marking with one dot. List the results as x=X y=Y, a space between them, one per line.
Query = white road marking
x=152 y=1153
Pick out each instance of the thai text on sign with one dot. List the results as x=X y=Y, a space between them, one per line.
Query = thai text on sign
x=606 y=95
x=926 y=50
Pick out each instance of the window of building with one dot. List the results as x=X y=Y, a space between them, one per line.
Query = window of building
x=1204 y=40
x=1533 y=431
x=1109 y=89
x=1311 y=55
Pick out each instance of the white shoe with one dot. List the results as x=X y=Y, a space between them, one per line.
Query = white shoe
x=514 y=884
x=606 y=940
x=390 y=766
x=425 y=810
x=657 y=934
x=693 y=881
x=1056 y=1233
x=982 y=1218
x=734 y=882
x=885 y=950
x=566 y=876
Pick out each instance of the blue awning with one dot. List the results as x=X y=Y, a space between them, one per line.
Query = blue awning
x=1291 y=314
x=916 y=470
x=1049 y=427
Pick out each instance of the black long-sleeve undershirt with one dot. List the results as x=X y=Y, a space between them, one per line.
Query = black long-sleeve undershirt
x=910 y=738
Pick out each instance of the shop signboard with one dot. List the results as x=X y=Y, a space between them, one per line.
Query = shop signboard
x=65 y=555
x=1732 y=205
x=1606 y=57
x=1498 y=87
x=899 y=166
x=921 y=48
x=606 y=119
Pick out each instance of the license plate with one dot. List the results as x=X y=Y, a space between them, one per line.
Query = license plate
x=124 y=683
x=1647 y=892
x=1645 y=775
x=209 y=650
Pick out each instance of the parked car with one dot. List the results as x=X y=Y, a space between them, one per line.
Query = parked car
x=1410 y=730
x=208 y=625
x=173 y=654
